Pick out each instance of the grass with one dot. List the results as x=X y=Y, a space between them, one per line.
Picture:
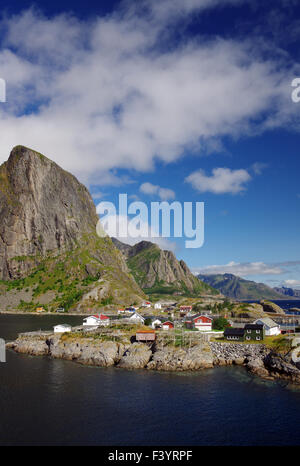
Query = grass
x=72 y=274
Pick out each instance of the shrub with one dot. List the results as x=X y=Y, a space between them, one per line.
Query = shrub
x=220 y=323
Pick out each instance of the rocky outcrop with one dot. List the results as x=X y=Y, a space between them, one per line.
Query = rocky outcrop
x=258 y=360
x=181 y=359
x=152 y=267
x=278 y=367
x=268 y=306
x=98 y=352
x=35 y=346
x=82 y=350
x=136 y=357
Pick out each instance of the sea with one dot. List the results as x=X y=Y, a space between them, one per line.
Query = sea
x=55 y=402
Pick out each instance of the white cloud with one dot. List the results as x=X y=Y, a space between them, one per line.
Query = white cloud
x=98 y=94
x=222 y=180
x=241 y=269
x=165 y=194
x=177 y=8
x=292 y=283
x=258 y=167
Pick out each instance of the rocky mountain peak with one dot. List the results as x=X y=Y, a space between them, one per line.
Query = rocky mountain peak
x=42 y=208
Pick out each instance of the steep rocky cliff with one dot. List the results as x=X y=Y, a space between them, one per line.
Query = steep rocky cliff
x=158 y=271
x=49 y=250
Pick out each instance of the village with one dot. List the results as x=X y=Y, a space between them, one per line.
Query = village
x=175 y=336
x=150 y=319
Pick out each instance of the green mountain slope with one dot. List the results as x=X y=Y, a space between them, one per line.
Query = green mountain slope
x=239 y=288
x=159 y=272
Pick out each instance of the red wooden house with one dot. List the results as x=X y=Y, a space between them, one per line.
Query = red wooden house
x=200 y=322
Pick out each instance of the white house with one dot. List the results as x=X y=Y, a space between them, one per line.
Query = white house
x=271 y=328
x=146 y=304
x=157 y=306
x=62 y=328
x=156 y=323
x=91 y=321
x=137 y=318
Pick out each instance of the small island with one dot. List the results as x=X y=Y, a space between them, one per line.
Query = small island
x=167 y=345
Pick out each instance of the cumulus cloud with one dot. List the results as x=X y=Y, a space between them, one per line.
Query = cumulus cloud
x=165 y=194
x=292 y=283
x=241 y=269
x=222 y=180
x=103 y=93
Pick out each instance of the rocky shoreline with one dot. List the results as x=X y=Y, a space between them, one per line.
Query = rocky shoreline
x=257 y=359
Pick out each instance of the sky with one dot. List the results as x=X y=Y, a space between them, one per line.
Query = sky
x=168 y=101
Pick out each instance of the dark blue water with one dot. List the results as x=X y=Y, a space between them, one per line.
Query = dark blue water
x=55 y=402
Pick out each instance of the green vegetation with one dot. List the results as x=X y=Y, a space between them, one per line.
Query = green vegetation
x=63 y=279
x=220 y=324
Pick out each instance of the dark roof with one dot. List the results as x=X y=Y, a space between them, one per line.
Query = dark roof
x=254 y=327
x=233 y=331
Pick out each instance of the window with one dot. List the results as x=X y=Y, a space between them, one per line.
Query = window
x=257 y=338
x=248 y=338
x=257 y=331
x=248 y=331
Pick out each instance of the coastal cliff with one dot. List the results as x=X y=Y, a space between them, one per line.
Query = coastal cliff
x=122 y=353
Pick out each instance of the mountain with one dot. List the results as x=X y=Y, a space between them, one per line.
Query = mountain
x=50 y=253
x=287 y=291
x=159 y=272
x=239 y=288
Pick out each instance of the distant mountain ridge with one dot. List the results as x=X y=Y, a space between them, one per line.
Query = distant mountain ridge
x=238 y=288
x=287 y=291
x=158 y=271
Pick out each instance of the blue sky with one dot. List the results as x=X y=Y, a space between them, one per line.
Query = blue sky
x=192 y=97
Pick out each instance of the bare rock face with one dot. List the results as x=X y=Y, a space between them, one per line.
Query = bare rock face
x=181 y=359
x=279 y=367
x=136 y=357
x=101 y=353
x=35 y=346
x=42 y=208
x=151 y=265
x=48 y=229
